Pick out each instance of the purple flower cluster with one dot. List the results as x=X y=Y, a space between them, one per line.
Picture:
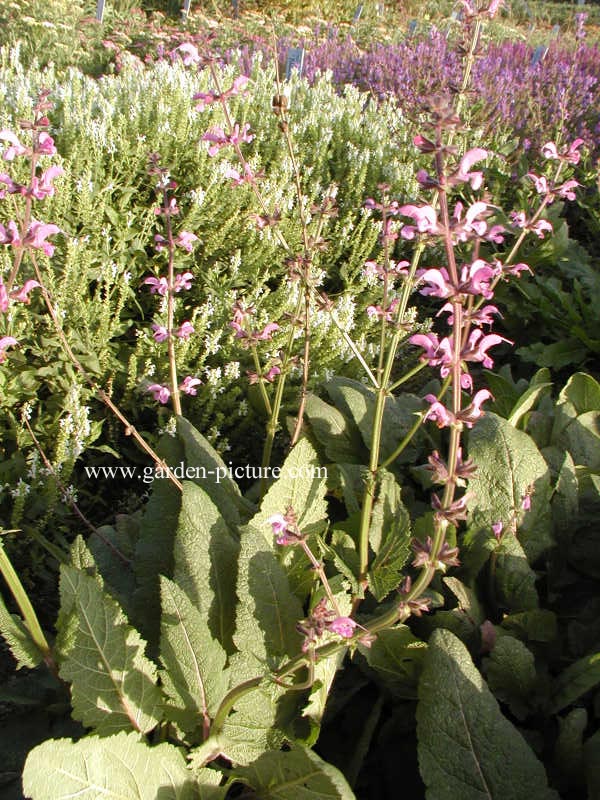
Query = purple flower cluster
x=534 y=99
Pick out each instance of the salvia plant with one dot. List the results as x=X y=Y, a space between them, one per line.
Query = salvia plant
x=201 y=642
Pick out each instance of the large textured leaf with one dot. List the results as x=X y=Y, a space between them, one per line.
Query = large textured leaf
x=389 y=536
x=298 y=774
x=206 y=562
x=18 y=639
x=357 y=402
x=509 y=467
x=341 y=441
x=194 y=677
x=120 y=767
x=212 y=474
x=302 y=486
x=113 y=684
x=252 y=727
x=511 y=675
x=575 y=680
x=583 y=392
x=154 y=549
x=514 y=578
x=467 y=749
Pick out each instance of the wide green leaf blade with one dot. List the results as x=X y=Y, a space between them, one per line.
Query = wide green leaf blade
x=206 y=555
x=467 y=748
x=577 y=679
x=298 y=774
x=113 y=684
x=509 y=468
x=194 y=676
x=119 y=767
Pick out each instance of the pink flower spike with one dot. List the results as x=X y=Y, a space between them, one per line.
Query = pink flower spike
x=572 y=155
x=438 y=280
x=160 y=392
x=4 y=302
x=186 y=240
x=471 y=157
x=15 y=147
x=278 y=523
x=45 y=145
x=541 y=183
x=424 y=216
x=185 y=330
x=541 y=227
x=22 y=294
x=36 y=236
x=10 y=234
x=183 y=281
x=161 y=334
x=157 y=285
x=478 y=345
x=515 y=269
x=188 y=386
x=272 y=374
x=343 y=626
x=566 y=190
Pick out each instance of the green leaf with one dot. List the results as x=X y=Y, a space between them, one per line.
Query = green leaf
x=568 y=751
x=396 y=656
x=467 y=600
x=511 y=675
x=577 y=679
x=206 y=554
x=509 y=467
x=301 y=484
x=194 y=676
x=389 y=537
x=527 y=401
x=18 y=639
x=113 y=683
x=591 y=755
x=154 y=549
x=583 y=392
x=341 y=441
x=120 y=767
x=537 y=625
x=514 y=578
x=252 y=727
x=297 y=774
x=211 y=472
x=467 y=749
x=581 y=437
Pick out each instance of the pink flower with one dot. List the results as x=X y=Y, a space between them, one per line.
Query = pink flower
x=6 y=341
x=438 y=353
x=11 y=186
x=285 y=528
x=541 y=227
x=22 y=294
x=497 y=529
x=42 y=187
x=186 y=239
x=15 y=147
x=377 y=312
x=10 y=234
x=36 y=236
x=525 y=502
x=160 y=242
x=161 y=334
x=478 y=345
x=217 y=138
x=343 y=626
x=183 y=281
x=463 y=172
x=566 y=190
x=267 y=332
x=45 y=145
x=438 y=412
x=473 y=412
x=188 y=386
x=204 y=99
x=425 y=218
x=157 y=285
x=571 y=155
x=160 y=392
x=541 y=183
x=3 y=298
x=185 y=330
x=270 y=376
x=188 y=53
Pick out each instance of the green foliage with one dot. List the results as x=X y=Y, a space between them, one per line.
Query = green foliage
x=467 y=748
